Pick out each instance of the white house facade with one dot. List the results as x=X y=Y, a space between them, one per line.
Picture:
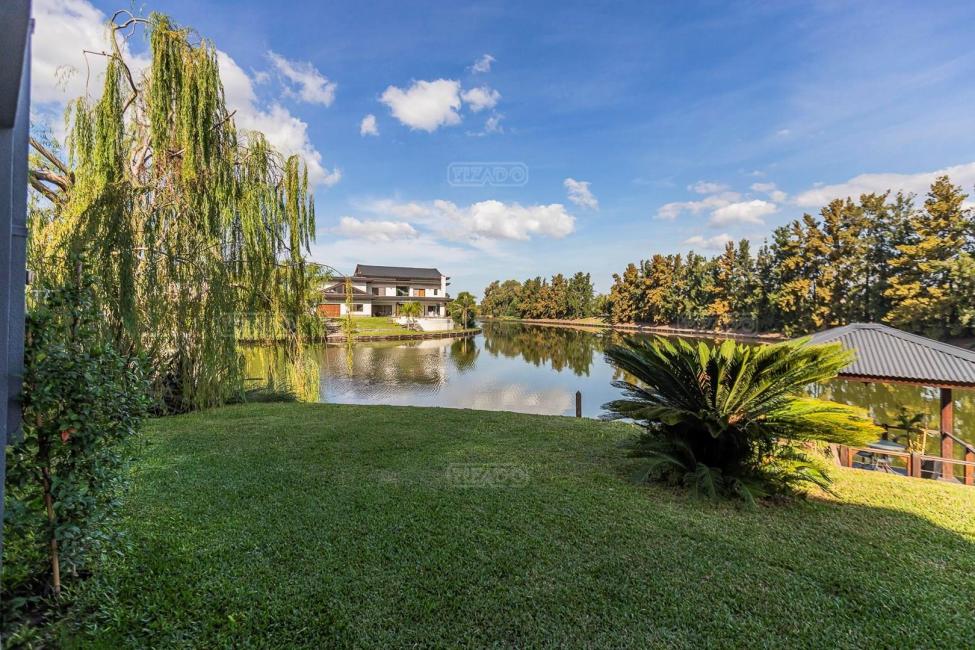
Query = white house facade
x=383 y=290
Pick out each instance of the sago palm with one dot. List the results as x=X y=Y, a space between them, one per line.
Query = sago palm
x=732 y=418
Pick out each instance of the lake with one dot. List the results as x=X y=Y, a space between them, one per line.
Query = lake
x=530 y=369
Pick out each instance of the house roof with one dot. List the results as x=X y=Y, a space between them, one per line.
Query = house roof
x=885 y=353
x=338 y=289
x=399 y=272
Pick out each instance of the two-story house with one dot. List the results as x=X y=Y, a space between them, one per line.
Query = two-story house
x=382 y=291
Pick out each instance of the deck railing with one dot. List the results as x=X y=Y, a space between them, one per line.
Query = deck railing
x=941 y=466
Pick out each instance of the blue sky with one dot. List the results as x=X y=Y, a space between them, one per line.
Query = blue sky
x=690 y=122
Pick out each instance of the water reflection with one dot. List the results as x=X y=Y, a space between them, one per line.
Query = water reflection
x=531 y=369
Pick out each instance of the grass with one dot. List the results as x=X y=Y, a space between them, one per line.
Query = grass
x=375 y=325
x=298 y=525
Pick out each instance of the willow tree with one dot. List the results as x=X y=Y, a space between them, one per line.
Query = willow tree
x=191 y=226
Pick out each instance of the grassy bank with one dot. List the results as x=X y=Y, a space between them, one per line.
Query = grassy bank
x=321 y=525
x=374 y=325
x=599 y=322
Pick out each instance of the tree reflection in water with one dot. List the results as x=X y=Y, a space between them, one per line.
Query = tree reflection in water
x=523 y=370
x=556 y=347
x=463 y=352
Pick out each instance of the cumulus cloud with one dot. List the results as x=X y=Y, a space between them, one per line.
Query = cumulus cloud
x=283 y=130
x=770 y=190
x=670 y=211
x=742 y=212
x=496 y=220
x=380 y=231
x=580 y=194
x=66 y=27
x=480 y=98
x=918 y=183
x=345 y=253
x=306 y=82
x=478 y=222
x=707 y=187
x=483 y=64
x=426 y=105
x=63 y=29
x=715 y=243
x=368 y=125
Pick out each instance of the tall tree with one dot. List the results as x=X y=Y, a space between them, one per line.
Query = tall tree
x=187 y=223
x=924 y=287
x=580 y=296
x=626 y=295
x=721 y=308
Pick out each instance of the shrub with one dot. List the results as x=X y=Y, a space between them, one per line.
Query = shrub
x=732 y=419
x=82 y=398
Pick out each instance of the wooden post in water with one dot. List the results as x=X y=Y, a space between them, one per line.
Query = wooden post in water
x=947 y=444
x=915 y=467
x=578 y=404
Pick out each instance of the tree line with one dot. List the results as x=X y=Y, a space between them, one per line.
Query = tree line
x=880 y=259
x=538 y=297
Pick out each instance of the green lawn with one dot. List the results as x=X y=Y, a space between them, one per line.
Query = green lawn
x=376 y=325
x=319 y=525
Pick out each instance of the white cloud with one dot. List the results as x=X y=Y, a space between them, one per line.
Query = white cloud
x=483 y=64
x=480 y=98
x=782 y=133
x=742 y=212
x=66 y=27
x=368 y=125
x=707 y=187
x=715 y=243
x=426 y=105
x=918 y=183
x=405 y=210
x=770 y=190
x=312 y=86
x=344 y=254
x=59 y=71
x=283 y=130
x=670 y=211
x=580 y=194
x=480 y=222
x=380 y=231
x=497 y=220
x=493 y=124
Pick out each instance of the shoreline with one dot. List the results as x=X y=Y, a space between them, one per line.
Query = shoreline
x=638 y=328
x=406 y=336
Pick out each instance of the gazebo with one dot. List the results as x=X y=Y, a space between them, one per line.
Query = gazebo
x=889 y=355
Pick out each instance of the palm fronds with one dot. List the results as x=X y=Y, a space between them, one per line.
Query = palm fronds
x=729 y=418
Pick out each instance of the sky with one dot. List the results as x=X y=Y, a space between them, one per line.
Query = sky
x=498 y=140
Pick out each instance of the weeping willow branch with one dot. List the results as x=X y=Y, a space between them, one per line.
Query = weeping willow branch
x=190 y=228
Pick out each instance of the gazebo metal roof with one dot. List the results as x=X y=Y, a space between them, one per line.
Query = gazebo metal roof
x=888 y=354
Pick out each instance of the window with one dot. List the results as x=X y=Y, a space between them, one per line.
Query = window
x=375 y=291
x=420 y=293
x=402 y=291
x=357 y=306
